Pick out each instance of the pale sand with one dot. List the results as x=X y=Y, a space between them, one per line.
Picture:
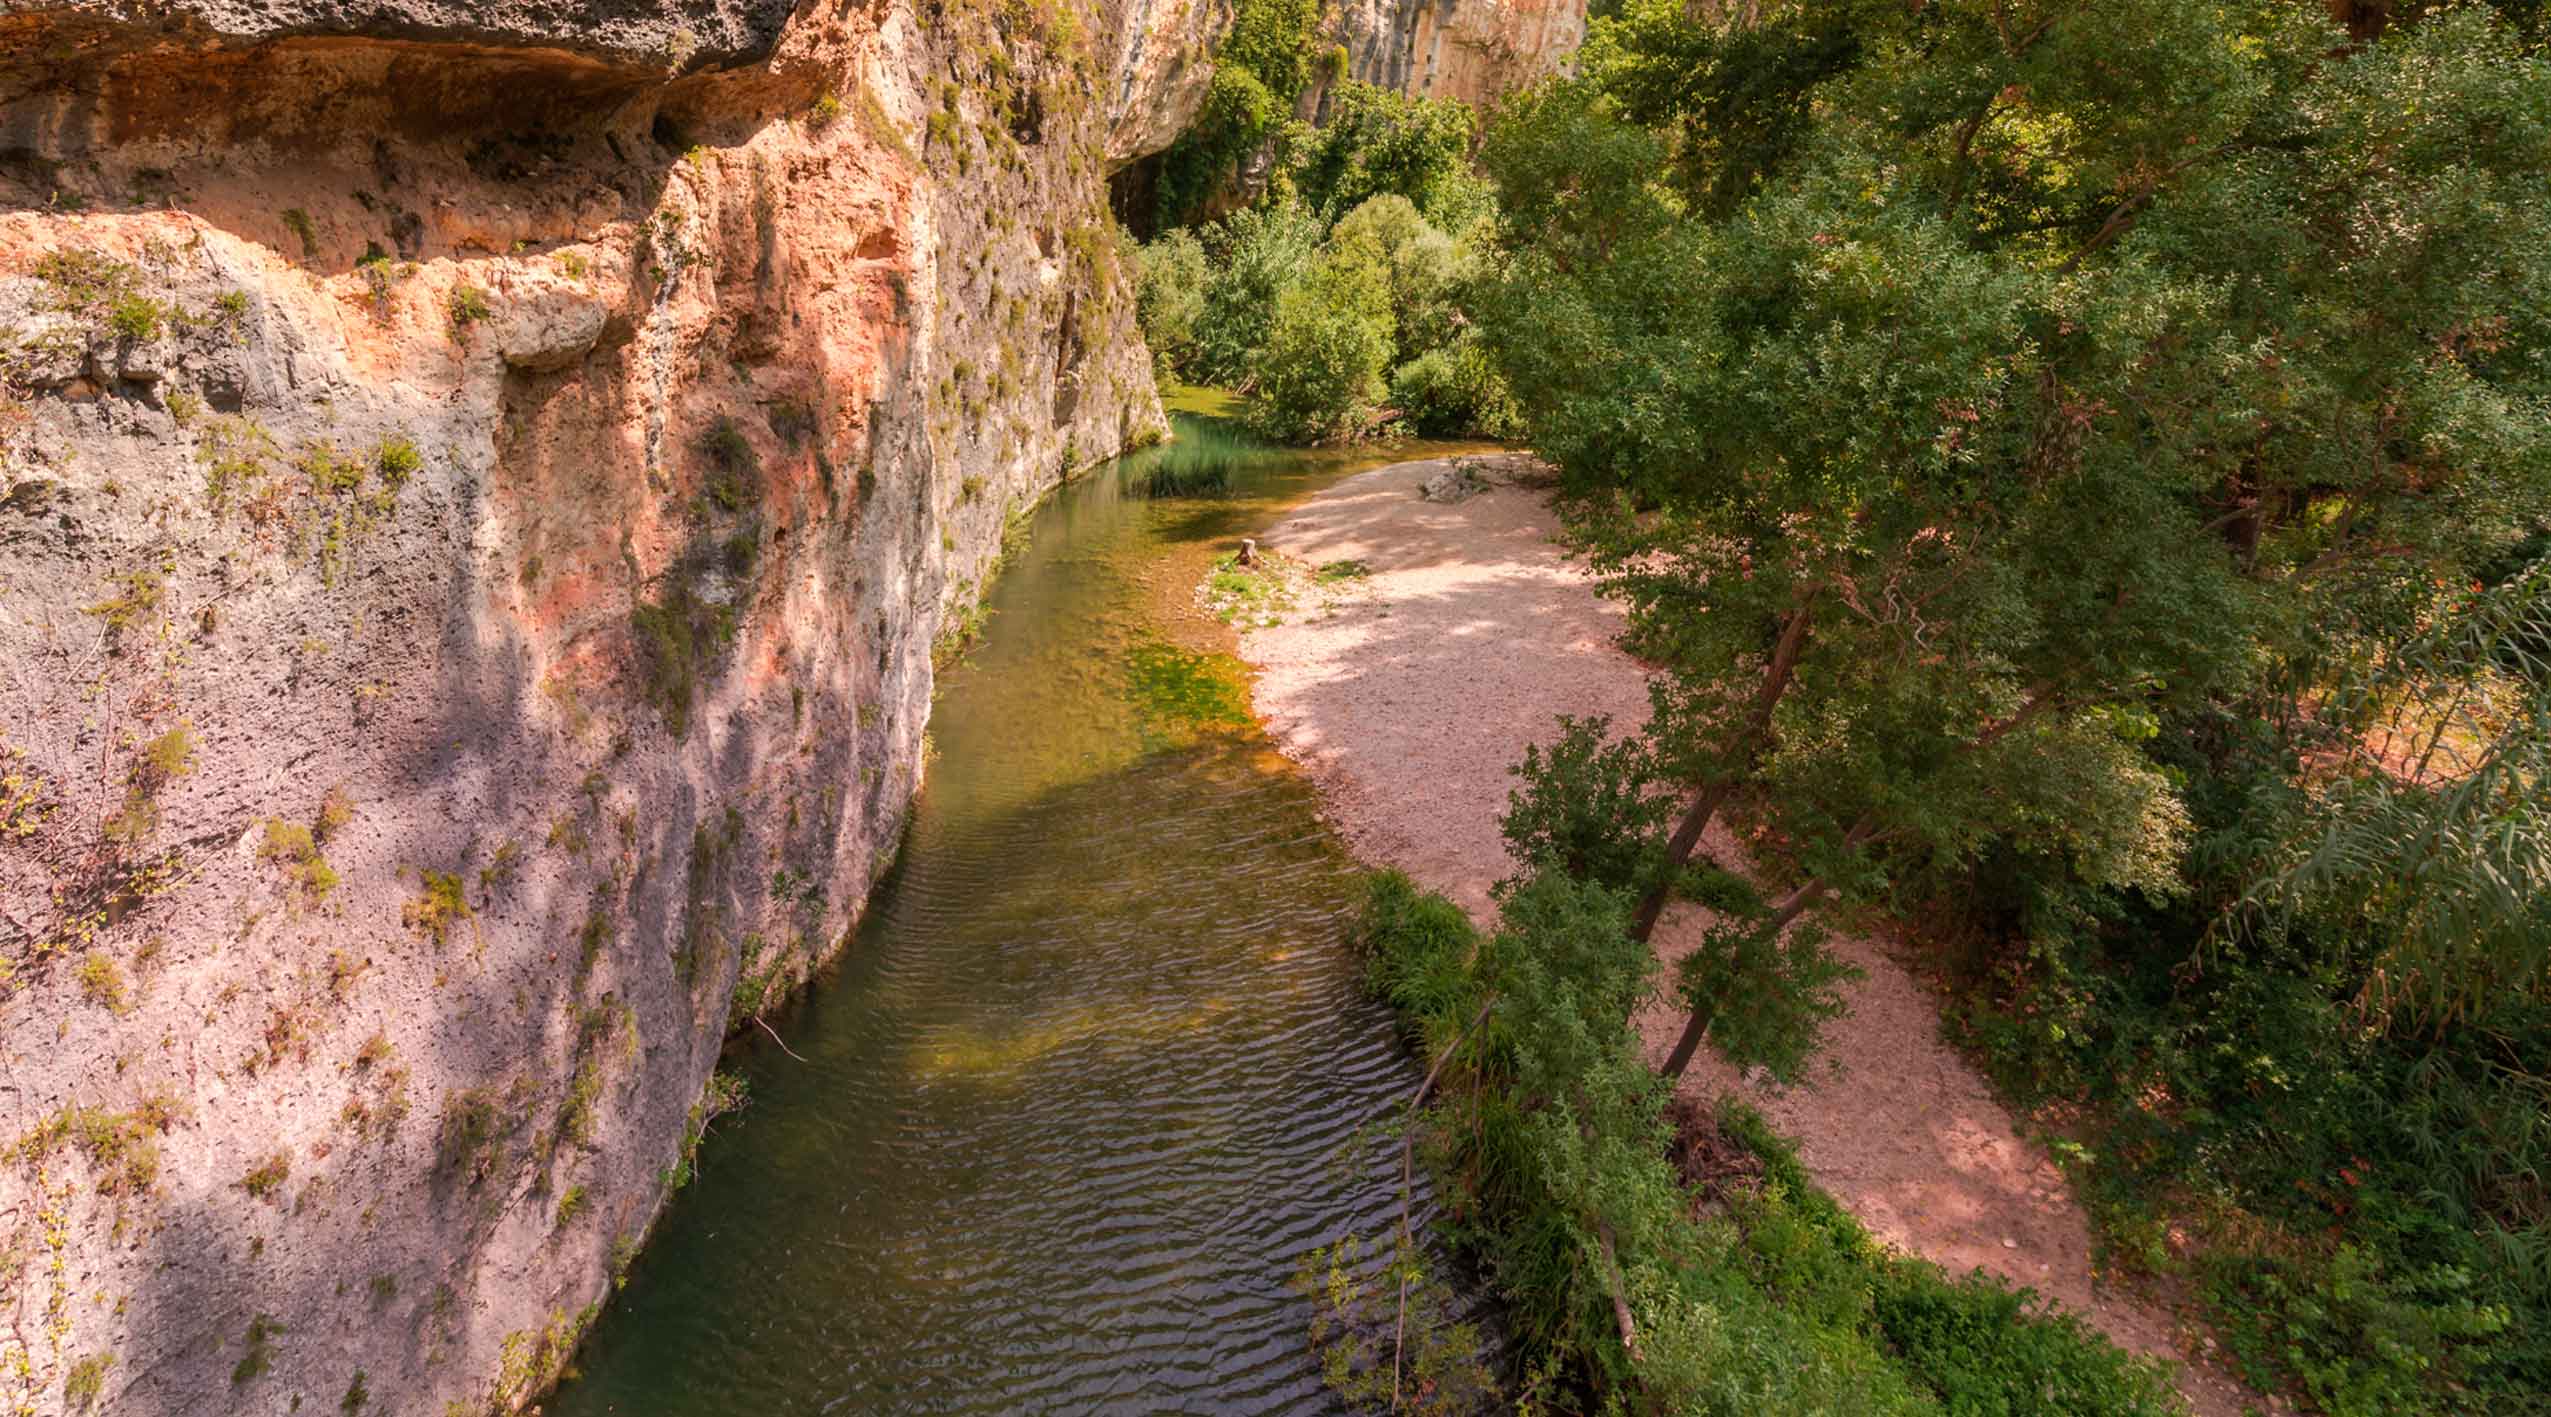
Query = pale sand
x=1408 y=695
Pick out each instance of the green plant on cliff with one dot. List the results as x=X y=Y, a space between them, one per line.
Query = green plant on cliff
x=678 y=639
x=1264 y=62
x=441 y=903
x=468 y=307
x=86 y=1382
x=1378 y=141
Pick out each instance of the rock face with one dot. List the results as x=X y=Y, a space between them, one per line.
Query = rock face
x=1472 y=50
x=483 y=484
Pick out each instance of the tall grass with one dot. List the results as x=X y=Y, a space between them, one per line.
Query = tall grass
x=1201 y=462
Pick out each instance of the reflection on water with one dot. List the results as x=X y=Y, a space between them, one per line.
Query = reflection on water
x=1093 y=1075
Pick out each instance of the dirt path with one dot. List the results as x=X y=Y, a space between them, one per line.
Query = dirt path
x=1407 y=696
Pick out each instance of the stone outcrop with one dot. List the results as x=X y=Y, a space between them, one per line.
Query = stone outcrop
x=483 y=485
x=1472 y=50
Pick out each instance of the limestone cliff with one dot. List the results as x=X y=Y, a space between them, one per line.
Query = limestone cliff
x=483 y=483
x=1472 y=50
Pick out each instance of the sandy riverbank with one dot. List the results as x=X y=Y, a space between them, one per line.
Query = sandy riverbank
x=1407 y=695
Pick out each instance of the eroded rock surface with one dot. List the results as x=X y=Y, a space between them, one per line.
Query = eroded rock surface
x=1472 y=50
x=481 y=492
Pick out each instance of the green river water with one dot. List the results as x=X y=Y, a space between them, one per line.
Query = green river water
x=1095 y=1072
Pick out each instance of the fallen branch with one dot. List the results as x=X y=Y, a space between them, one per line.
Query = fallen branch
x=775 y=1038
x=1620 y=1287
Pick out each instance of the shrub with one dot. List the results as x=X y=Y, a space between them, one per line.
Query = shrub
x=398 y=460
x=1423 y=267
x=1377 y=141
x=441 y=904
x=469 y=306
x=1319 y=378
x=1261 y=253
x=1169 y=299
x=470 y=1143
x=1454 y=392
x=1553 y=1144
x=1589 y=806
x=102 y=981
x=136 y=317
x=265 y=1180
x=1264 y=62
x=86 y=1382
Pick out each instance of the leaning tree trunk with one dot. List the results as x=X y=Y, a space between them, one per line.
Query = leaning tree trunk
x=1696 y=819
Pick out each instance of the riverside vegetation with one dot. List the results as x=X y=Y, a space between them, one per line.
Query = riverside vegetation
x=2083 y=475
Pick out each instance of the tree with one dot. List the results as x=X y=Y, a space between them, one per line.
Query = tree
x=1169 y=298
x=1319 y=377
x=2014 y=375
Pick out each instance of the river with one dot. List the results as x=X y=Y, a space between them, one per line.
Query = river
x=1095 y=1071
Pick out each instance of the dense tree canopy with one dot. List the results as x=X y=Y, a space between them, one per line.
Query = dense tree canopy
x=2086 y=467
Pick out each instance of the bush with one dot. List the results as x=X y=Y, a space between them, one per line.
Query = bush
x=1319 y=378
x=1379 y=141
x=1262 y=253
x=1456 y=392
x=1553 y=1143
x=1589 y=806
x=1263 y=63
x=1421 y=264
x=1169 y=300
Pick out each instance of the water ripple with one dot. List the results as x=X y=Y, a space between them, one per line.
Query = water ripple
x=1093 y=1077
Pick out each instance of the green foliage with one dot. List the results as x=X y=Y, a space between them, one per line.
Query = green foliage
x=1319 y=377
x=299 y=223
x=1172 y=275
x=102 y=981
x=732 y=462
x=1553 y=1150
x=122 y=1153
x=1377 y=141
x=440 y=904
x=679 y=639
x=1200 y=462
x=264 y=1181
x=1590 y=805
x=1264 y=62
x=86 y=1382
x=468 y=307
x=1257 y=254
x=1386 y=1339
x=469 y=1143
x=1455 y=391
x=2136 y=495
x=136 y=317
x=138 y=602
x=1761 y=995
x=259 y=1342
x=398 y=460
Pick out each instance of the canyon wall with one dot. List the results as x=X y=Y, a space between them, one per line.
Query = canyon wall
x=481 y=485
x=1472 y=50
